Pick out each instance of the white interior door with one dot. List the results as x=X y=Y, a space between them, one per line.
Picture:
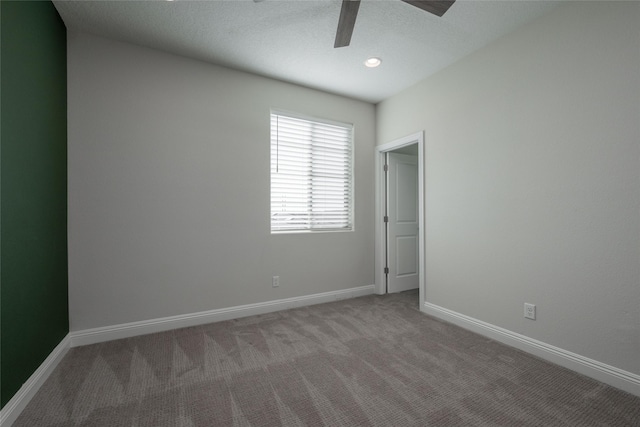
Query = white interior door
x=402 y=255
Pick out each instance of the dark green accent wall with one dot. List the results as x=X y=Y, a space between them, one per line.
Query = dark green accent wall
x=34 y=305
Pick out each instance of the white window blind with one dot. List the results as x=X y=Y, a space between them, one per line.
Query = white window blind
x=311 y=175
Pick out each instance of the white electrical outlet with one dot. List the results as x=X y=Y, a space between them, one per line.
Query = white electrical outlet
x=275 y=282
x=530 y=311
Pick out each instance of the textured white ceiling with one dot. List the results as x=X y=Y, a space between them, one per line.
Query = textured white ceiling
x=293 y=40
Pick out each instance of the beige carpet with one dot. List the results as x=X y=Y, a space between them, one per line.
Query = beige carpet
x=370 y=361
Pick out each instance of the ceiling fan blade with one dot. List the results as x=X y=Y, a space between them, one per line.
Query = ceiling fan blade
x=347 y=20
x=437 y=7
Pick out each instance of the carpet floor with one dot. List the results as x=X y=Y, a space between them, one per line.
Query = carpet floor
x=369 y=361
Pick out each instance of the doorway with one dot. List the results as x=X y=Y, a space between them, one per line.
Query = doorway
x=400 y=216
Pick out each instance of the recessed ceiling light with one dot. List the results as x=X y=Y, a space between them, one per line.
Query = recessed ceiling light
x=372 y=62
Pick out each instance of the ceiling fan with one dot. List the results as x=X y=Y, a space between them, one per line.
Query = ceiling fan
x=350 y=8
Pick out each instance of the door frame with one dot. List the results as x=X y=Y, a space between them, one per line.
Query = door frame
x=381 y=200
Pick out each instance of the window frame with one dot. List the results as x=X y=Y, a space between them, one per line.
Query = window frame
x=351 y=177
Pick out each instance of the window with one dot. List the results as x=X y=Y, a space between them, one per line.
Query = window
x=311 y=174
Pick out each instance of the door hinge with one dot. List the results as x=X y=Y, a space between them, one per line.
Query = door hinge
x=386 y=270
x=386 y=168
x=386 y=218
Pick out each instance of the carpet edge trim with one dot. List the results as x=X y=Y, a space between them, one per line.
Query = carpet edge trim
x=127 y=330
x=600 y=371
x=23 y=396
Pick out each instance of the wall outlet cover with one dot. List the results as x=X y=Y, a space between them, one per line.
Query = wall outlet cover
x=530 y=311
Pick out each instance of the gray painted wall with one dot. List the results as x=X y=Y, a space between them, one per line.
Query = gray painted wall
x=169 y=188
x=533 y=180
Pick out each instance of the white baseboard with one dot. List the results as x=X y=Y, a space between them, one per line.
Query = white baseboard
x=126 y=330
x=19 y=401
x=607 y=374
